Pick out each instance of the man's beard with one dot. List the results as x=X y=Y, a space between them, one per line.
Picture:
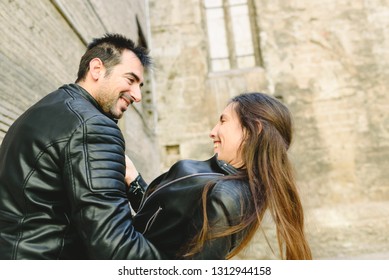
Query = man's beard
x=108 y=105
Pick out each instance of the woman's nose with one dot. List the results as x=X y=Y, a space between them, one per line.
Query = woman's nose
x=212 y=134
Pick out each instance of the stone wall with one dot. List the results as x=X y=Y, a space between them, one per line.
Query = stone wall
x=328 y=61
x=40 y=48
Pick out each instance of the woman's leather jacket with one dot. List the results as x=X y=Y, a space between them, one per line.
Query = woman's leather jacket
x=170 y=213
x=62 y=190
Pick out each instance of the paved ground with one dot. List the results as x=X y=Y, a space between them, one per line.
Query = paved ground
x=374 y=256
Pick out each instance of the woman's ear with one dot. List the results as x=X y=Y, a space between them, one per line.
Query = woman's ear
x=259 y=125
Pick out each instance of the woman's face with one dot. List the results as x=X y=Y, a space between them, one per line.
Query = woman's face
x=227 y=137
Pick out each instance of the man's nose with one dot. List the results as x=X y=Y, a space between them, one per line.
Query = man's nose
x=136 y=93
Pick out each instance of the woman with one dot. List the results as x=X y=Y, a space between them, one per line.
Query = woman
x=211 y=209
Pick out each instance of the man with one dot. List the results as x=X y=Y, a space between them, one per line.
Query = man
x=62 y=165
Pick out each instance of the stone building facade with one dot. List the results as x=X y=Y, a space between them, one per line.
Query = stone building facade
x=327 y=60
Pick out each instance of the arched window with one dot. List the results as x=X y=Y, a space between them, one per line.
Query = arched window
x=232 y=35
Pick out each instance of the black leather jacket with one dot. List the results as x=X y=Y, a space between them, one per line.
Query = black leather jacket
x=62 y=190
x=170 y=213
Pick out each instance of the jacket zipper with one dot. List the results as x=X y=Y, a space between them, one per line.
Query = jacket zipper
x=152 y=219
x=174 y=181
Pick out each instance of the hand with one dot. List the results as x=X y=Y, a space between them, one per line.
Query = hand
x=131 y=172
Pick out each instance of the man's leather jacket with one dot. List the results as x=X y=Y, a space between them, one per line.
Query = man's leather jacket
x=62 y=190
x=170 y=213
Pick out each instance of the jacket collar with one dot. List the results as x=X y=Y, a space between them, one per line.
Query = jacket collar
x=85 y=94
x=226 y=167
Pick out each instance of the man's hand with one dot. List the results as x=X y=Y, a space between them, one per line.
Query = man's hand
x=131 y=172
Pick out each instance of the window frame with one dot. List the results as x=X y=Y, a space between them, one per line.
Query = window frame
x=230 y=39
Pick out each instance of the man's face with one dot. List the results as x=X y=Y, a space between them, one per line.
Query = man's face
x=122 y=86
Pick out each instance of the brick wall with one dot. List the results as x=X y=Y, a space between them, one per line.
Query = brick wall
x=40 y=48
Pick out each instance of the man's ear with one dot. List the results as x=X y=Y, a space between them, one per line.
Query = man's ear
x=96 y=68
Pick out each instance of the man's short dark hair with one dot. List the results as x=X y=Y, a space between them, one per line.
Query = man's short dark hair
x=109 y=49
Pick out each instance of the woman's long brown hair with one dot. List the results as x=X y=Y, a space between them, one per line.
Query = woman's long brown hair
x=267 y=126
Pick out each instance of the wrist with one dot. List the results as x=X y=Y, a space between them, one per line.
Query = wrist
x=135 y=186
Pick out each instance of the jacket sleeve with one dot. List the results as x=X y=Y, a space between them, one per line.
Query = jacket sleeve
x=223 y=210
x=94 y=169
